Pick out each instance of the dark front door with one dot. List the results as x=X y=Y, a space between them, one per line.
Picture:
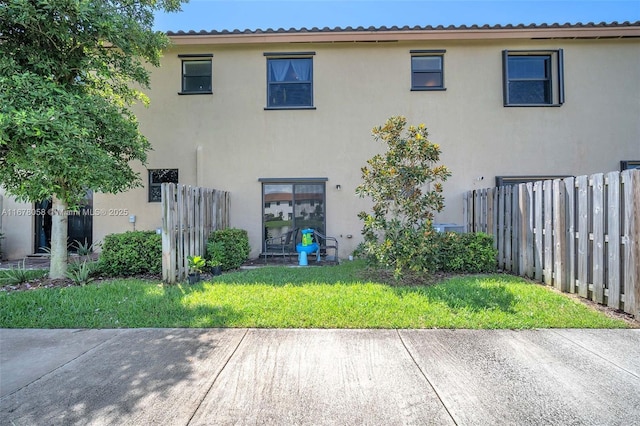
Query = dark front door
x=80 y=225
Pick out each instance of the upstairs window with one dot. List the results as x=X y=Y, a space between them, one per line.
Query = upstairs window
x=289 y=82
x=196 y=74
x=427 y=69
x=156 y=178
x=533 y=78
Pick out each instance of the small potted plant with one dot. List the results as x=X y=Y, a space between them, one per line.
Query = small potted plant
x=216 y=267
x=196 y=265
x=216 y=252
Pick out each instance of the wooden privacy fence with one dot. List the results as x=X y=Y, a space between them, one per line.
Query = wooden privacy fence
x=189 y=214
x=581 y=235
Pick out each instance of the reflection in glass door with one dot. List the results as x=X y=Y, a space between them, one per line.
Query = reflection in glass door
x=278 y=209
x=79 y=225
x=309 y=206
x=287 y=206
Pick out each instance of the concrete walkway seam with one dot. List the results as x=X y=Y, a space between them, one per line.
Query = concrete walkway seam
x=226 y=362
x=425 y=377
x=596 y=354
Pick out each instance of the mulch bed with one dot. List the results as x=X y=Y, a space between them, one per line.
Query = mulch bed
x=45 y=282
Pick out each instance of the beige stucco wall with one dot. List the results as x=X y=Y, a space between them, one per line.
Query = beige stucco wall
x=358 y=86
x=17 y=225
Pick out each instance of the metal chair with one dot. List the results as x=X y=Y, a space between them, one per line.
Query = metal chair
x=282 y=245
x=325 y=243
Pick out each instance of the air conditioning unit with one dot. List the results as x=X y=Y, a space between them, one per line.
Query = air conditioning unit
x=448 y=227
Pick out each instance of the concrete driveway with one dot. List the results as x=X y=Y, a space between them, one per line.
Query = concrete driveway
x=319 y=377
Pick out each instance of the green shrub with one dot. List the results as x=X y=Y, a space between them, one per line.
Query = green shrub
x=404 y=249
x=83 y=249
x=215 y=253
x=81 y=273
x=469 y=253
x=405 y=185
x=235 y=247
x=15 y=275
x=426 y=251
x=131 y=253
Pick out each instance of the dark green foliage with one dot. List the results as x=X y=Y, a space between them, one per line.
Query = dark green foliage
x=405 y=249
x=405 y=185
x=215 y=253
x=81 y=273
x=83 y=249
x=15 y=275
x=235 y=247
x=427 y=251
x=131 y=253
x=91 y=267
x=70 y=71
x=470 y=253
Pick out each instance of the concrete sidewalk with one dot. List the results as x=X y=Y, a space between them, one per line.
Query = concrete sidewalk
x=319 y=377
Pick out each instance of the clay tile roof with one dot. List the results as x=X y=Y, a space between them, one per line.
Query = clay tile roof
x=406 y=28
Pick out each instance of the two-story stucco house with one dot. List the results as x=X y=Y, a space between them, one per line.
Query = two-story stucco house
x=282 y=118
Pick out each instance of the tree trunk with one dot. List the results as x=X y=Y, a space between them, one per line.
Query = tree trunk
x=59 y=232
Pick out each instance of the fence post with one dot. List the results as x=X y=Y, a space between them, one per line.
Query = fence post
x=168 y=233
x=477 y=211
x=501 y=227
x=548 y=232
x=525 y=234
x=583 y=235
x=612 y=182
x=508 y=230
x=516 y=220
x=598 y=237
x=560 y=236
x=483 y=210
x=465 y=211
x=631 y=180
x=183 y=236
x=570 y=190
x=635 y=250
x=538 y=231
x=490 y=212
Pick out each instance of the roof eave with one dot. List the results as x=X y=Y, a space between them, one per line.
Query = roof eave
x=341 y=36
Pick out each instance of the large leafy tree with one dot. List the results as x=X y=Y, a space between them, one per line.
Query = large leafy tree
x=69 y=72
x=405 y=185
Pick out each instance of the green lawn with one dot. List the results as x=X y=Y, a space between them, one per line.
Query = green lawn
x=326 y=297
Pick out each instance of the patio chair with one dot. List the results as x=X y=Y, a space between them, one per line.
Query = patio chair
x=325 y=243
x=282 y=245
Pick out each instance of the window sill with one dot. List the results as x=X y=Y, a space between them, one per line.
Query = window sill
x=428 y=89
x=289 y=107
x=531 y=105
x=196 y=93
